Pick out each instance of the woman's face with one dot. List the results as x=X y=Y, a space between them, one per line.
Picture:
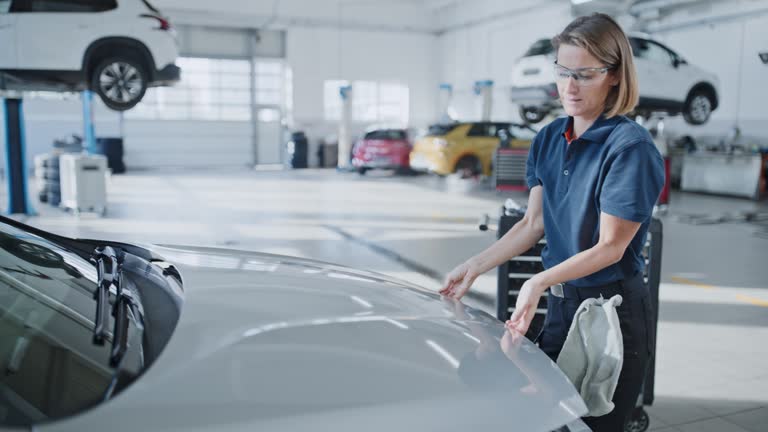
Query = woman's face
x=585 y=96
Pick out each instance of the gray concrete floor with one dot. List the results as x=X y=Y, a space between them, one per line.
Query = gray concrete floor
x=711 y=356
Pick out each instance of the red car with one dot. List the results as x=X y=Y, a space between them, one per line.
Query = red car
x=384 y=149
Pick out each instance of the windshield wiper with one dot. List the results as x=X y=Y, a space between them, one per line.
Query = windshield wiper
x=110 y=274
x=126 y=301
x=105 y=259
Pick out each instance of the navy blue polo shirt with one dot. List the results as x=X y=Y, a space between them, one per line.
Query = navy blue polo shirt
x=613 y=167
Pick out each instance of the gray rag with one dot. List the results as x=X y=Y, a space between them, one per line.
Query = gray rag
x=593 y=353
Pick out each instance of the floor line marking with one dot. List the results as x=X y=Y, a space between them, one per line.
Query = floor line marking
x=752 y=300
x=692 y=283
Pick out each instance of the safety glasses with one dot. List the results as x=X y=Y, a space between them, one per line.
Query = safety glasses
x=584 y=77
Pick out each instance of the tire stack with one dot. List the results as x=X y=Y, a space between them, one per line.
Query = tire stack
x=47 y=169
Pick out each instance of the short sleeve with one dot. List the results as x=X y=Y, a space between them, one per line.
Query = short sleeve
x=531 y=178
x=633 y=182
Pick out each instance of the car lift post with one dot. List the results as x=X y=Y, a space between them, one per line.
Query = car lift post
x=345 y=138
x=484 y=89
x=89 y=134
x=15 y=156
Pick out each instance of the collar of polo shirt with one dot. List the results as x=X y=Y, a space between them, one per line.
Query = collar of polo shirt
x=598 y=132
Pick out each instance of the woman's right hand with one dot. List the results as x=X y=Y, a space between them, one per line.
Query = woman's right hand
x=459 y=280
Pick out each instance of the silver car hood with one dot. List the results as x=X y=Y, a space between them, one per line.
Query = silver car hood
x=273 y=343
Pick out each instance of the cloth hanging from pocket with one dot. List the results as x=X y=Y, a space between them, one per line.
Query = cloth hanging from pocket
x=593 y=353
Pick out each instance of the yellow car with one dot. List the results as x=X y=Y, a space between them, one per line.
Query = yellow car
x=466 y=148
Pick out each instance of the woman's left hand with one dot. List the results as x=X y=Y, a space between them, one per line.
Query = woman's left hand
x=527 y=303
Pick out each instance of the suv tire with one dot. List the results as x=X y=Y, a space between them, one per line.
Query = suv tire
x=532 y=114
x=698 y=107
x=120 y=82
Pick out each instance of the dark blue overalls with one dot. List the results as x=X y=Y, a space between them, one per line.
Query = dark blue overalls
x=615 y=168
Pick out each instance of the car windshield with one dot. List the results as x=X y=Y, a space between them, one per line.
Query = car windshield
x=52 y=368
x=440 y=129
x=540 y=47
x=386 y=134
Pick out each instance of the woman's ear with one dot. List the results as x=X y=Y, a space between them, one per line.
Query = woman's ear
x=614 y=79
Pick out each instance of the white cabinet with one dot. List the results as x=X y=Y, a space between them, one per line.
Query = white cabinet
x=83 y=182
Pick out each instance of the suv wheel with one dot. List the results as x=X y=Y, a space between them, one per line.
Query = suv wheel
x=532 y=114
x=120 y=82
x=698 y=107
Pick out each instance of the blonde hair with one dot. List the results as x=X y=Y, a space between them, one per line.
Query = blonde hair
x=604 y=39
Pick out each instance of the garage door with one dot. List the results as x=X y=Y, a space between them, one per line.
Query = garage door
x=198 y=144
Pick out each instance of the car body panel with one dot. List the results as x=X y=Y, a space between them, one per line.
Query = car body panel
x=274 y=343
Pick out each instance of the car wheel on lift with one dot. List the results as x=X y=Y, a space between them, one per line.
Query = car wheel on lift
x=698 y=107
x=120 y=82
x=531 y=114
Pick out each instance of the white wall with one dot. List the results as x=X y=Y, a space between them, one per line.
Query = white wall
x=317 y=55
x=380 y=41
x=479 y=46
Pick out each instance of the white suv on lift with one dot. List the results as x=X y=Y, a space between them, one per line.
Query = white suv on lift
x=117 y=48
x=667 y=82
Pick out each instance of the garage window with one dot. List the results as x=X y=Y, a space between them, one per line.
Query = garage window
x=371 y=101
x=210 y=89
x=269 y=84
x=63 y=5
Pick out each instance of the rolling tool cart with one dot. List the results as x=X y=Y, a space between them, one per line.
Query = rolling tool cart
x=513 y=273
x=509 y=164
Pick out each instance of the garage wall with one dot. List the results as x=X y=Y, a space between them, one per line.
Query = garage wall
x=382 y=41
x=482 y=41
x=317 y=55
x=725 y=39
